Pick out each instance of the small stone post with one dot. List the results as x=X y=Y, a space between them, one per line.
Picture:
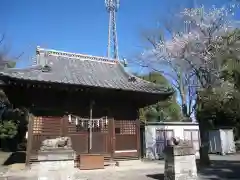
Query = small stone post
x=180 y=161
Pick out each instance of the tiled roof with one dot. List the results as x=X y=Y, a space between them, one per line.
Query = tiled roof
x=77 y=69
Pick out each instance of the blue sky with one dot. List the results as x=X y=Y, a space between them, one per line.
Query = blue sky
x=80 y=25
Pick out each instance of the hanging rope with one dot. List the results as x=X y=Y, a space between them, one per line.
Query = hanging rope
x=91 y=122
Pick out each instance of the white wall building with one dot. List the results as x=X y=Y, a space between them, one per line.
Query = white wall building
x=157 y=134
x=222 y=141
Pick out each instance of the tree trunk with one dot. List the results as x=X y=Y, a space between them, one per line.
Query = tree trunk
x=184 y=110
x=184 y=104
x=204 y=147
x=204 y=127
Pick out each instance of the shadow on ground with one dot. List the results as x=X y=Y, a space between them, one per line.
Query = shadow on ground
x=15 y=157
x=219 y=169
x=156 y=176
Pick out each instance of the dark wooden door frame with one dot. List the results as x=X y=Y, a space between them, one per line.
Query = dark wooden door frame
x=138 y=138
x=112 y=137
x=109 y=137
x=116 y=128
x=64 y=131
x=29 y=138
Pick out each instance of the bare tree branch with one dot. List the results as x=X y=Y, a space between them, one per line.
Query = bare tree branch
x=190 y=53
x=5 y=59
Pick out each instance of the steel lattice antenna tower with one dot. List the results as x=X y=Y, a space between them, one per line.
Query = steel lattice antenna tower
x=195 y=5
x=112 y=8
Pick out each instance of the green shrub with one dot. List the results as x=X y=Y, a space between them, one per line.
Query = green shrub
x=8 y=129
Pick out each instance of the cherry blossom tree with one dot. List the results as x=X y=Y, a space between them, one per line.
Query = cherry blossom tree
x=153 y=60
x=194 y=54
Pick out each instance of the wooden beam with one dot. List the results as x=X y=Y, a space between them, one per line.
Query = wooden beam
x=112 y=137
x=138 y=137
x=29 y=138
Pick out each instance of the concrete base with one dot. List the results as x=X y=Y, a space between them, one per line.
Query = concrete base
x=56 y=155
x=47 y=170
x=180 y=163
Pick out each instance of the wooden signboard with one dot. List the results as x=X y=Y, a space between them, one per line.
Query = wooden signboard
x=91 y=161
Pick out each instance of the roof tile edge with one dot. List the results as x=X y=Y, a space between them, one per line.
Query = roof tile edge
x=53 y=52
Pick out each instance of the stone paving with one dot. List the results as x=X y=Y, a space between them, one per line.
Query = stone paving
x=224 y=168
x=135 y=170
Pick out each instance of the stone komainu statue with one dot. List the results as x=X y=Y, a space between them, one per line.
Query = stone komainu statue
x=174 y=141
x=56 y=143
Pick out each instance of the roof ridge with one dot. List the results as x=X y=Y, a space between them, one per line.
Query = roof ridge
x=75 y=55
x=34 y=67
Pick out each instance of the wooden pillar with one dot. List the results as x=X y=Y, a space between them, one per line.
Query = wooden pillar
x=142 y=140
x=29 y=138
x=90 y=135
x=64 y=126
x=138 y=137
x=112 y=137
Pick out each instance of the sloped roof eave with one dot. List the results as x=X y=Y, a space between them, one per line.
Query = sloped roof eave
x=83 y=70
x=6 y=77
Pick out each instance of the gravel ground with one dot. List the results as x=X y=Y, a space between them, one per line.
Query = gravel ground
x=223 y=167
x=134 y=170
x=135 y=174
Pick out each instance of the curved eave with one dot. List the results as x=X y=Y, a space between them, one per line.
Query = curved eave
x=155 y=93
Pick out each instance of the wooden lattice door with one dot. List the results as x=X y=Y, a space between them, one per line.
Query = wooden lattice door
x=90 y=136
x=126 y=138
x=45 y=127
x=100 y=136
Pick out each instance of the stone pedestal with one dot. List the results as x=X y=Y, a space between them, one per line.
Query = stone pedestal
x=180 y=163
x=55 y=161
x=56 y=155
